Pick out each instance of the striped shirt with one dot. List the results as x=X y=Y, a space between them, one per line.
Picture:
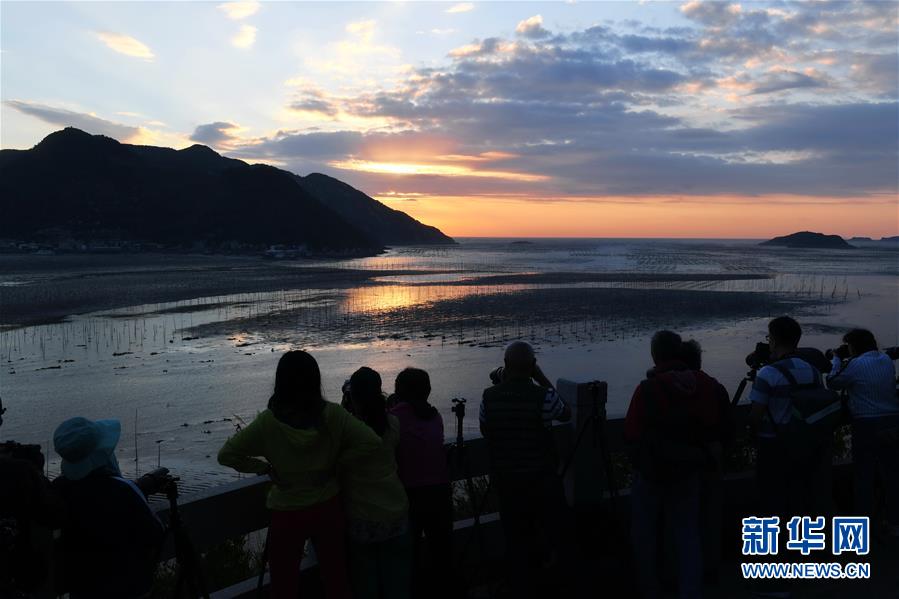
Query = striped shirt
x=772 y=390
x=553 y=407
x=870 y=380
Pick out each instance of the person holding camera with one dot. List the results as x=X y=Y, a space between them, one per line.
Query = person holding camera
x=793 y=467
x=110 y=537
x=27 y=504
x=868 y=376
x=422 y=467
x=516 y=414
x=303 y=439
x=674 y=429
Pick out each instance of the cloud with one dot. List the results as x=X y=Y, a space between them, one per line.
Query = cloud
x=711 y=13
x=742 y=101
x=532 y=28
x=313 y=102
x=461 y=7
x=785 y=80
x=64 y=117
x=220 y=134
x=365 y=30
x=240 y=10
x=875 y=72
x=125 y=44
x=245 y=37
x=358 y=58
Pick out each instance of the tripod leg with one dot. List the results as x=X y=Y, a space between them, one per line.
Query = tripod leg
x=478 y=507
x=190 y=572
x=577 y=443
x=260 y=582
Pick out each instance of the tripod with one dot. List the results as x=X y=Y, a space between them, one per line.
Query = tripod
x=750 y=376
x=460 y=455
x=596 y=424
x=189 y=575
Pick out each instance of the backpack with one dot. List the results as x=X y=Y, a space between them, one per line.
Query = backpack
x=815 y=412
x=667 y=452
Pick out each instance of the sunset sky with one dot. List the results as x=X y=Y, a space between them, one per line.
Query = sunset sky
x=587 y=119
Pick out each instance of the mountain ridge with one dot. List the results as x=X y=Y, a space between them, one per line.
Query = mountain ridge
x=77 y=185
x=388 y=225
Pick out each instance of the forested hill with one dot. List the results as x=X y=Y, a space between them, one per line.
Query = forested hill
x=389 y=226
x=76 y=185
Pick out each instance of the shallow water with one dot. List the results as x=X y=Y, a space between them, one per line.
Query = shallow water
x=181 y=374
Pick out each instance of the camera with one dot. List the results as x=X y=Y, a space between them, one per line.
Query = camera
x=841 y=352
x=157 y=481
x=12 y=450
x=22 y=451
x=458 y=407
x=760 y=356
x=496 y=376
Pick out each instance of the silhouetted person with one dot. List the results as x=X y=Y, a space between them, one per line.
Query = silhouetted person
x=791 y=480
x=26 y=503
x=303 y=439
x=515 y=417
x=673 y=427
x=421 y=462
x=380 y=543
x=869 y=378
x=711 y=492
x=111 y=537
x=691 y=355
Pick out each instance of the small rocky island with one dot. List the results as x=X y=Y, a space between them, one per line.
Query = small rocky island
x=808 y=239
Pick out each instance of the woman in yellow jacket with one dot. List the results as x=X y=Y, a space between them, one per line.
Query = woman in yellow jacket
x=303 y=440
x=380 y=542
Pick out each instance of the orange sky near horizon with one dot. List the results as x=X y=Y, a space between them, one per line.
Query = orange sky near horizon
x=689 y=217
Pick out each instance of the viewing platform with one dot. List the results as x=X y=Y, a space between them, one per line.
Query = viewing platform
x=597 y=556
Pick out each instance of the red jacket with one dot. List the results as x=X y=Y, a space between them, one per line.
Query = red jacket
x=687 y=396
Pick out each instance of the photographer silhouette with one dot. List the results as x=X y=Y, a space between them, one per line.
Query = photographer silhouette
x=111 y=537
x=27 y=504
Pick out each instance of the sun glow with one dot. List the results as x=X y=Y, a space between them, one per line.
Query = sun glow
x=699 y=217
x=443 y=170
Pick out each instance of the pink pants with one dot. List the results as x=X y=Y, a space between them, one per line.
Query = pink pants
x=324 y=524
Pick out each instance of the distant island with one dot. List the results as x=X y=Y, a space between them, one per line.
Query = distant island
x=79 y=192
x=870 y=241
x=808 y=239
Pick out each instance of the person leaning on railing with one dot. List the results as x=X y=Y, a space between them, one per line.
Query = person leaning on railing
x=302 y=439
x=869 y=378
x=674 y=429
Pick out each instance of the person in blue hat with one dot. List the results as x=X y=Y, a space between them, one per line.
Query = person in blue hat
x=111 y=537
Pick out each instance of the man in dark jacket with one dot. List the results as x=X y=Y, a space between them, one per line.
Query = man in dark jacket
x=111 y=537
x=515 y=416
x=673 y=425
